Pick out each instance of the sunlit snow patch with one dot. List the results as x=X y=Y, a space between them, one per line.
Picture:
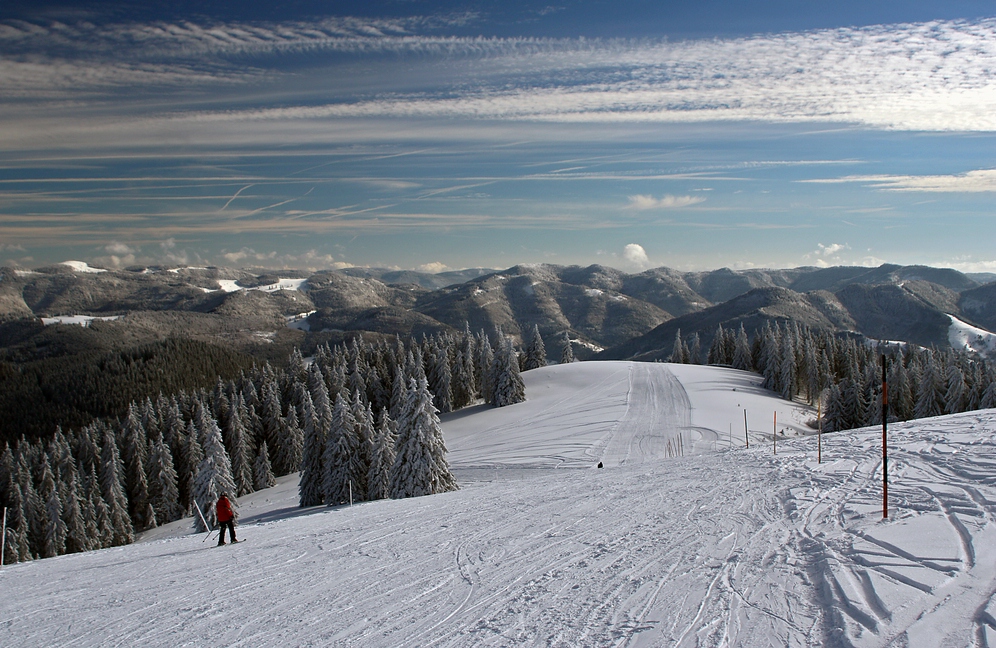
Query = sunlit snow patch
x=299 y=321
x=79 y=320
x=970 y=338
x=80 y=266
x=230 y=285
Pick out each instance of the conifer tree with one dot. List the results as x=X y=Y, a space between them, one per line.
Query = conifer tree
x=312 y=474
x=238 y=446
x=420 y=466
x=164 y=493
x=135 y=456
x=289 y=459
x=930 y=392
x=486 y=361
x=77 y=538
x=344 y=473
x=535 y=351
x=508 y=386
x=214 y=474
x=262 y=472
x=741 y=352
x=566 y=350
x=113 y=493
x=440 y=379
x=956 y=390
x=382 y=458
x=54 y=541
x=18 y=548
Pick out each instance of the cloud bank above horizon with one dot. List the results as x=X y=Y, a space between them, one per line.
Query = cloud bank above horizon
x=430 y=141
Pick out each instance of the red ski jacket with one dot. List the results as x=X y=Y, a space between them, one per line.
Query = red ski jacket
x=223 y=509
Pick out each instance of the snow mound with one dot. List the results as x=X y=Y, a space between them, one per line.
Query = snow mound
x=82 y=266
x=723 y=546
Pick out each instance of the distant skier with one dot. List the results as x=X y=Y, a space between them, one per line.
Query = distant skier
x=223 y=511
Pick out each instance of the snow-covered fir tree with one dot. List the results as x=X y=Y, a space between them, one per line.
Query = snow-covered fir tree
x=420 y=465
x=508 y=386
x=214 y=474
x=262 y=471
x=535 y=351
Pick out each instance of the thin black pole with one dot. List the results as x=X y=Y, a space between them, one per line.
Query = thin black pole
x=885 y=447
x=746 y=439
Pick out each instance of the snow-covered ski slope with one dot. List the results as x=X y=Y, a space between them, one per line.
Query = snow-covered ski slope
x=721 y=547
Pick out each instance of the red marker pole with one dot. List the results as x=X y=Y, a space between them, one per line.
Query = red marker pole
x=885 y=447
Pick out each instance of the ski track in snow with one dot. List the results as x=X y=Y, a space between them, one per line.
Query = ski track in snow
x=731 y=547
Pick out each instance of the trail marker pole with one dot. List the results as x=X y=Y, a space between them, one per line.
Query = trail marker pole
x=3 y=538
x=885 y=447
x=774 y=434
x=350 y=492
x=746 y=438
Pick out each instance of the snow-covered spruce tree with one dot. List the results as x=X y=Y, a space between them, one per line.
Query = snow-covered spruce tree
x=164 y=494
x=678 y=350
x=344 y=474
x=741 y=352
x=508 y=387
x=566 y=349
x=293 y=447
x=310 y=491
x=930 y=392
x=54 y=542
x=214 y=474
x=956 y=391
x=135 y=453
x=382 y=458
x=486 y=361
x=18 y=549
x=262 y=472
x=77 y=536
x=535 y=351
x=113 y=492
x=239 y=447
x=420 y=466
x=440 y=379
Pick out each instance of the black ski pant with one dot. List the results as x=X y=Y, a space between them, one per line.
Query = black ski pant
x=231 y=531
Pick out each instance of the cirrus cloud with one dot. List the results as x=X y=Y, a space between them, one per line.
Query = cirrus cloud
x=667 y=201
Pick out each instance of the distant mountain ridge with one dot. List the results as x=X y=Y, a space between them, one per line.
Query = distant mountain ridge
x=605 y=311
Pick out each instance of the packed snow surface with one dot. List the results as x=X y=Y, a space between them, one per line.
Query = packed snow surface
x=723 y=546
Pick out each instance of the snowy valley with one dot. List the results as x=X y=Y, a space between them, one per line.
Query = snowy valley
x=685 y=537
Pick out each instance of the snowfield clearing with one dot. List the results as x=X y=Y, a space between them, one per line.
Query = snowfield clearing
x=723 y=546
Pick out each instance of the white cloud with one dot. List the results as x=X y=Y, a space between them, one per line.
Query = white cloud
x=667 y=201
x=938 y=75
x=635 y=255
x=119 y=249
x=433 y=267
x=832 y=249
x=977 y=181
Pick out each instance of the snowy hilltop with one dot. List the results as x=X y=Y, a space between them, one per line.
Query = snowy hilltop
x=685 y=537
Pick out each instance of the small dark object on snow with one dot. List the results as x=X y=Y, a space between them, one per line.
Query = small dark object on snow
x=599 y=464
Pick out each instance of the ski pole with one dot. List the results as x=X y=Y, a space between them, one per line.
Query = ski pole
x=210 y=529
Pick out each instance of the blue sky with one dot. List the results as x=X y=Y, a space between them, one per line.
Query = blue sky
x=462 y=134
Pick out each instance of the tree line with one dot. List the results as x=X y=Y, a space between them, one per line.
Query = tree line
x=359 y=421
x=843 y=374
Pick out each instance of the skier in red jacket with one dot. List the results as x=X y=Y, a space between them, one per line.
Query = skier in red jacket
x=223 y=511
